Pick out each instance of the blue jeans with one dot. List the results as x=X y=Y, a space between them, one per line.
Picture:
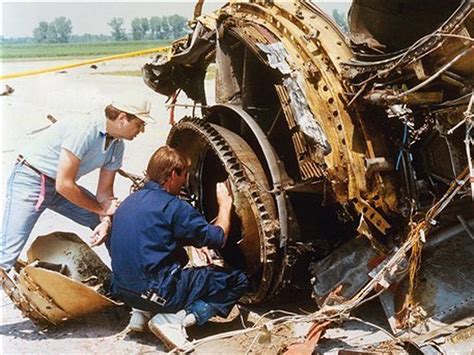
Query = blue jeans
x=20 y=215
x=204 y=291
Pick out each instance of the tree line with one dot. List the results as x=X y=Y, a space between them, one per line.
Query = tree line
x=341 y=19
x=154 y=28
x=57 y=31
x=157 y=27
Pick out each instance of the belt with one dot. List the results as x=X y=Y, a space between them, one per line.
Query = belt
x=22 y=161
x=148 y=295
x=152 y=296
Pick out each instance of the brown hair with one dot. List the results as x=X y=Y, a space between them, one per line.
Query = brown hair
x=112 y=113
x=163 y=162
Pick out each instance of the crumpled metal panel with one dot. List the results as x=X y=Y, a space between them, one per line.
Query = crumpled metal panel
x=455 y=338
x=346 y=270
x=304 y=116
x=384 y=46
x=276 y=56
x=367 y=31
x=457 y=342
x=443 y=293
x=186 y=71
x=63 y=279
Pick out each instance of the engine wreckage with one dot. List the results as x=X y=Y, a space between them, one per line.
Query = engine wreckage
x=349 y=157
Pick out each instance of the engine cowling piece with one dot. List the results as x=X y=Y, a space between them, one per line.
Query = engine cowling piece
x=62 y=279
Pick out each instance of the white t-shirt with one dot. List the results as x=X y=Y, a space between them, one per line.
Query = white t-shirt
x=85 y=138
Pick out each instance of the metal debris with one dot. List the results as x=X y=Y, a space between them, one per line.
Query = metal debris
x=347 y=160
x=7 y=91
x=370 y=145
x=62 y=279
x=276 y=56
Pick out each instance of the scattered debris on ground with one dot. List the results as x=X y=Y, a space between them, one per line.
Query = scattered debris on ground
x=350 y=162
x=7 y=91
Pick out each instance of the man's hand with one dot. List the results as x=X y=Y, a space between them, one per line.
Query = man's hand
x=224 y=201
x=109 y=206
x=223 y=194
x=101 y=233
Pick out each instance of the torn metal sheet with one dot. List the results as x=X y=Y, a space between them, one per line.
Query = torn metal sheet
x=458 y=342
x=63 y=279
x=305 y=118
x=443 y=294
x=277 y=55
x=342 y=274
x=456 y=338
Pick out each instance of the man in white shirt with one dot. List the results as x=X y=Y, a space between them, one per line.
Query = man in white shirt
x=46 y=172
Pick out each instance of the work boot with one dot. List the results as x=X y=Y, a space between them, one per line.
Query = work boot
x=168 y=327
x=138 y=320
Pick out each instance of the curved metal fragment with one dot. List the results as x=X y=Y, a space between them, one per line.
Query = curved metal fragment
x=62 y=280
x=217 y=154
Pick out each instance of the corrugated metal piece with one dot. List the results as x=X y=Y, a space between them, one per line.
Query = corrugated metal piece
x=309 y=168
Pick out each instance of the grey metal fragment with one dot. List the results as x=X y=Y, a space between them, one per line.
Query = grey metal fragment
x=303 y=114
x=277 y=55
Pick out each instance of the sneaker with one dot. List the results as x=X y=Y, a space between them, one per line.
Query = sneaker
x=138 y=320
x=168 y=327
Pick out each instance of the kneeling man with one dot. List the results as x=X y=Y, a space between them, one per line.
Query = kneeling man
x=149 y=231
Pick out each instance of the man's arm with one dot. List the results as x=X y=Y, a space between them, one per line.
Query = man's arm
x=105 y=186
x=224 y=201
x=68 y=167
x=105 y=192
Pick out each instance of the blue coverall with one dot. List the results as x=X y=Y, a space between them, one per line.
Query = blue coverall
x=149 y=231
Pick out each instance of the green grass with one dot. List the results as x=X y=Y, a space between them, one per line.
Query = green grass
x=73 y=50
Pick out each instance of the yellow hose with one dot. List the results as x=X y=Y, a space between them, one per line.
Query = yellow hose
x=85 y=62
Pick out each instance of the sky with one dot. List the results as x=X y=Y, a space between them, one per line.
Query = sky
x=19 y=18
